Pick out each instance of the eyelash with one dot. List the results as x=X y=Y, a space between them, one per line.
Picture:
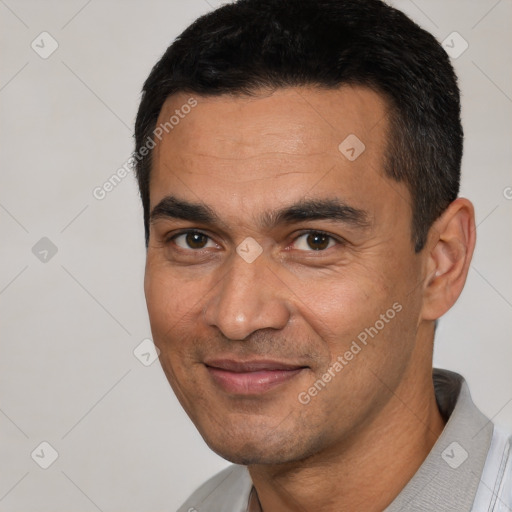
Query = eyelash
x=339 y=241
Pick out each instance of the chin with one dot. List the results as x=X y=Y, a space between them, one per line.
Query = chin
x=250 y=454
x=264 y=447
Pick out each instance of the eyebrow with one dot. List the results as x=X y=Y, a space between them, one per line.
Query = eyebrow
x=171 y=207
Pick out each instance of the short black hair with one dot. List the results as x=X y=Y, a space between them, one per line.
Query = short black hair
x=250 y=45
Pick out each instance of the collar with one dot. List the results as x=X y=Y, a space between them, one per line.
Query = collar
x=449 y=476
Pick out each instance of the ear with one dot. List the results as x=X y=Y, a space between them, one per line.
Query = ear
x=450 y=246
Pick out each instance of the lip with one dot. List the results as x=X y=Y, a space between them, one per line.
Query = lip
x=251 y=377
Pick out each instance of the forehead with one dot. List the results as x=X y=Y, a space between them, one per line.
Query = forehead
x=272 y=145
x=299 y=119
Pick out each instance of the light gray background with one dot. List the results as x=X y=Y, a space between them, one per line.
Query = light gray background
x=70 y=325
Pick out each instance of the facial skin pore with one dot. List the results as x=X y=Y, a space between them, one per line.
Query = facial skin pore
x=337 y=253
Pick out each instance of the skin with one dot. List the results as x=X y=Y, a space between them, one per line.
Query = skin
x=360 y=439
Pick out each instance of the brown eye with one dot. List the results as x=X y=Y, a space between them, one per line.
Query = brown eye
x=314 y=241
x=318 y=241
x=196 y=240
x=192 y=240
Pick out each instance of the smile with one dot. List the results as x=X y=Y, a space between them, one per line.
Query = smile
x=252 y=377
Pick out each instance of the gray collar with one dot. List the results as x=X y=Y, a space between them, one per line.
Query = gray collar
x=448 y=478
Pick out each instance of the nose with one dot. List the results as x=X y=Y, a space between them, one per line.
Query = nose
x=249 y=297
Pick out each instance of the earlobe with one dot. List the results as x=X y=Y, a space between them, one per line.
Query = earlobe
x=450 y=248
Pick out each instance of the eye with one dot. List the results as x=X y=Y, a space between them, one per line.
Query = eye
x=193 y=240
x=314 y=241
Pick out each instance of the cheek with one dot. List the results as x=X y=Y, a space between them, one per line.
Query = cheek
x=173 y=306
x=364 y=336
x=173 y=309
x=339 y=304
x=359 y=313
x=161 y=303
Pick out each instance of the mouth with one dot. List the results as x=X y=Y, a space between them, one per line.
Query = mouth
x=251 y=377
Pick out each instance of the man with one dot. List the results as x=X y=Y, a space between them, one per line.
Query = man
x=299 y=164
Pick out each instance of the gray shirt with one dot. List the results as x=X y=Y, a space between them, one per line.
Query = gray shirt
x=469 y=468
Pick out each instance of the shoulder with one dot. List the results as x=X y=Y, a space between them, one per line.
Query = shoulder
x=227 y=491
x=495 y=489
x=504 y=480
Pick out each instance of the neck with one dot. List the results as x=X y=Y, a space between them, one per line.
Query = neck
x=369 y=468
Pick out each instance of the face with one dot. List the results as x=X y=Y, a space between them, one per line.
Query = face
x=281 y=279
